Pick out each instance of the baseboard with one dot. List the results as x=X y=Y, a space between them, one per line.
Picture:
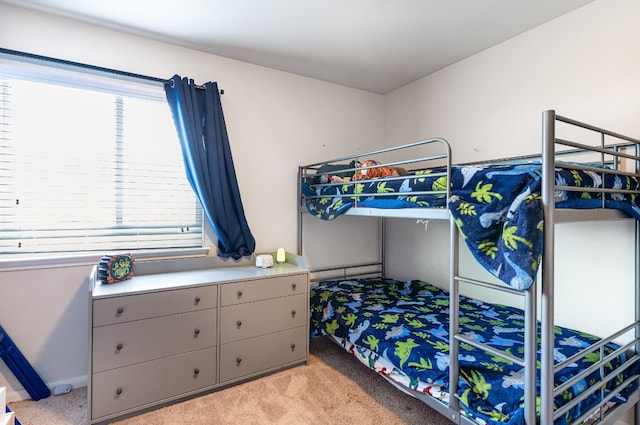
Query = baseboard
x=21 y=394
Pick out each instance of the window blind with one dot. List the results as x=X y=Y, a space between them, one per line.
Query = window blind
x=85 y=166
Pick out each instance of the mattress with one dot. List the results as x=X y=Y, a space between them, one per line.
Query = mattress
x=401 y=329
x=497 y=208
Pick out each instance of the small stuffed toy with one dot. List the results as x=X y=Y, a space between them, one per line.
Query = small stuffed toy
x=338 y=179
x=326 y=178
x=372 y=173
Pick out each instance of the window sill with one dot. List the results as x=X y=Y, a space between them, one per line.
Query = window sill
x=31 y=262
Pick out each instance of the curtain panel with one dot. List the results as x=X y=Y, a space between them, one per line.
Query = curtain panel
x=199 y=119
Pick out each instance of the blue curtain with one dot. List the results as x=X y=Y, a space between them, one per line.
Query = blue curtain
x=197 y=113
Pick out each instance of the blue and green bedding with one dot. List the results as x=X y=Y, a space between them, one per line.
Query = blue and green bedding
x=401 y=329
x=497 y=208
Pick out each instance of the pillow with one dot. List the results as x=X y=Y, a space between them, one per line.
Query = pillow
x=337 y=169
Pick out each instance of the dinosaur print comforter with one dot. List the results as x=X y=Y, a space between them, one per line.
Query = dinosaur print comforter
x=497 y=208
x=401 y=329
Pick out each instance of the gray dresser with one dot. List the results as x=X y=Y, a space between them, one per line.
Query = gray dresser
x=160 y=338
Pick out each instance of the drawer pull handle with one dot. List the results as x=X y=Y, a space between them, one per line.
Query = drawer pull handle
x=196 y=332
x=119 y=347
x=197 y=301
x=293 y=313
x=118 y=391
x=239 y=294
x=293 y=347
x=239 y=323
x=120 y=310
x=196 y=371
x=293 y=286
x=238 y=361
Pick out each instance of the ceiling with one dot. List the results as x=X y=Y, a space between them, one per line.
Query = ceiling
x=373 y=45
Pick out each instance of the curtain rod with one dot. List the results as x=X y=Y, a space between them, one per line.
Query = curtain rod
x=89 y=67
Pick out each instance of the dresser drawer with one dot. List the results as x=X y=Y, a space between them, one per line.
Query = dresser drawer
x=243 y=321
x=107 y=311
x=242 y=358
x=254 y=290
x=118 y=390
x=134 y=342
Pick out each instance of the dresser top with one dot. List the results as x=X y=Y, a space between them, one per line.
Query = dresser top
x=184 y=279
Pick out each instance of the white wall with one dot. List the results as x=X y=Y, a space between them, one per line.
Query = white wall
x=275 y=120
x=584 y=65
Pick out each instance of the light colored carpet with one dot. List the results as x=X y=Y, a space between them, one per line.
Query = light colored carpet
x=333 y=389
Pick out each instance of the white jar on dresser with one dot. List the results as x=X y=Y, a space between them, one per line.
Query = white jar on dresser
x=160 y=338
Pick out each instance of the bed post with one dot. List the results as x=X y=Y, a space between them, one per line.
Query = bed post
x=637 y=297
x=636 y=416
x=383 y=246
x=299 y=210
x=547 y=303
x=530 y=351
x=453 y=321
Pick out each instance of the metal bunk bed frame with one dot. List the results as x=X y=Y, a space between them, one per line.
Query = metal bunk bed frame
x=618 y=153
x=548 y=390
x=552 y=149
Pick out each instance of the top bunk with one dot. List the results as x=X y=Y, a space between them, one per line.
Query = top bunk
x=592 y=173
x=500 y=207
x=406 y=181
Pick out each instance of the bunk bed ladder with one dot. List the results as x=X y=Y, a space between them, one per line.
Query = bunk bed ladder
x=528 y=362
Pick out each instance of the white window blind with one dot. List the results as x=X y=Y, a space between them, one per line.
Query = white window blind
x=86 y=166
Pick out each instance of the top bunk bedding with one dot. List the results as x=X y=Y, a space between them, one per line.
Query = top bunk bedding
x=494 y=189
x=497 y=207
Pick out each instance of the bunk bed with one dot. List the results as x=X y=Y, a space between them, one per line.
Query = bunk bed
x=472 y=361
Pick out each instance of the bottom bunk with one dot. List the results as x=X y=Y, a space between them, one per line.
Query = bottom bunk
x=401 y=330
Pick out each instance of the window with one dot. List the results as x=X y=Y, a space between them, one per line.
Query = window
x=89 y=163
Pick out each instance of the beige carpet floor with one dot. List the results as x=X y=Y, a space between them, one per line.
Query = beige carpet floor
x=334 y=388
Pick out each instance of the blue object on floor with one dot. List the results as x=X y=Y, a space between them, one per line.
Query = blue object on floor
x=17 y=422
x=21 y=368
